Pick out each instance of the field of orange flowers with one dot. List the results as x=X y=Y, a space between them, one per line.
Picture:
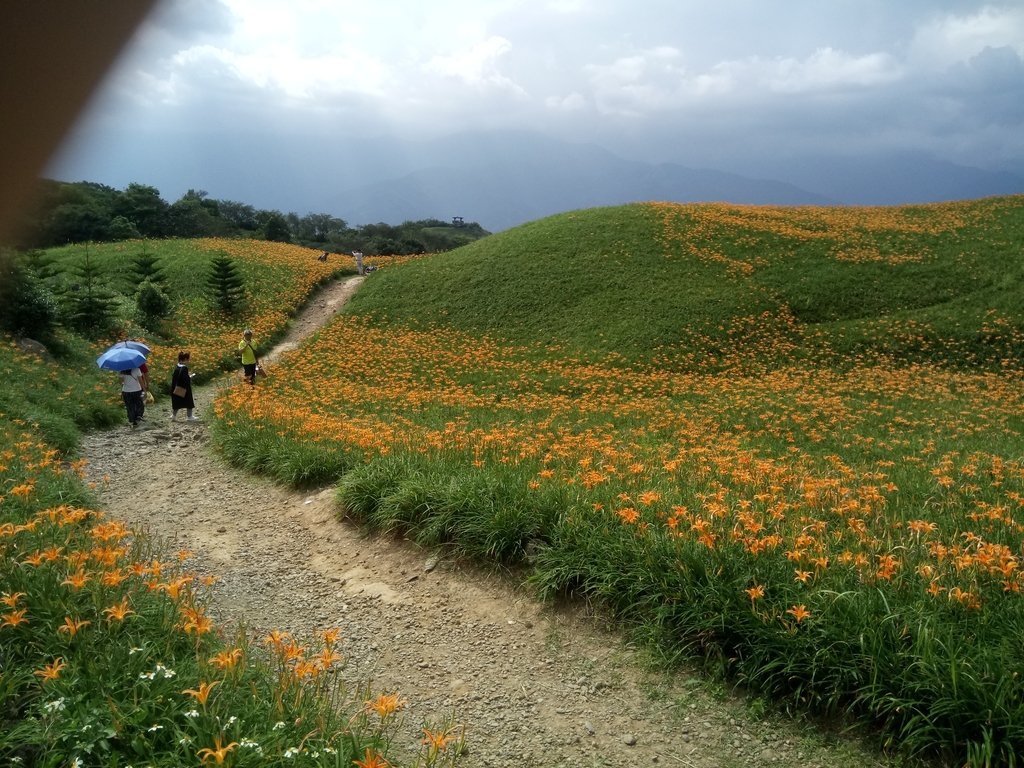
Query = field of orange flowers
x=817 y=491
x=846 y=538
x=107 y=654
x=717 y=458
x=278 y=279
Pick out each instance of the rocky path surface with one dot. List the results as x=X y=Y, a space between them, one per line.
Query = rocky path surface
x=534 y=685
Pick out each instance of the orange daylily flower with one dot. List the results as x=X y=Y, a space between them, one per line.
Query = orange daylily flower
x=72 y=626
x=385 y=704
x=372 y=759
x=14 y=618
x=217 y=753
x=51 y=671
x=799 y=612
x=118 y=612
x=203 y=692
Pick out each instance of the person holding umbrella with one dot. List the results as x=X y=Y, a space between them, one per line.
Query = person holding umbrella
x=127 y=360
x=133 y=395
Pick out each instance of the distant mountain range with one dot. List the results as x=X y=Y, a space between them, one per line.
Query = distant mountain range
x=504 y=179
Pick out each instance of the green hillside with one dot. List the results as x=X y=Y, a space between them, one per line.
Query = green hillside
x=838 y=534
x=937 y=282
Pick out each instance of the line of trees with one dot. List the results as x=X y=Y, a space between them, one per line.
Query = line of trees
x=75 y=212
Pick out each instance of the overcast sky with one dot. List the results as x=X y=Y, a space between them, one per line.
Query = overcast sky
x=722 y=84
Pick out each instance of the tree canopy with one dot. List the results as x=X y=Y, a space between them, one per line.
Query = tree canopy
x=74 y=212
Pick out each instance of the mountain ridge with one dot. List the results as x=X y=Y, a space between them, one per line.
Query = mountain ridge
x=504 y=179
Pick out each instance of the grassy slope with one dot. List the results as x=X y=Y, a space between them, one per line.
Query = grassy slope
x=637 y=279
x=690 y=287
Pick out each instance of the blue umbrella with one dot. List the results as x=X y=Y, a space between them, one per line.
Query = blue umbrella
x=119 y=358
x=136 y=345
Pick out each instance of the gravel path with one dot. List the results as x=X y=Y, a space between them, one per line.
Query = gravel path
x=534 y=685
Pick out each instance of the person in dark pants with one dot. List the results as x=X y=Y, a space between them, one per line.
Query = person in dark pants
x=249 y=359
x=132 y=393
x=181 y=388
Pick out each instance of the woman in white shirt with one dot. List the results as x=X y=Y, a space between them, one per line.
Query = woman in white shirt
x=133 y=395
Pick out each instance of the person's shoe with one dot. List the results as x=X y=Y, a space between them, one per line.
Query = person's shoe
x=192 y=418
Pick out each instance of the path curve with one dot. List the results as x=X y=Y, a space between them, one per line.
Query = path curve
x=534 y=686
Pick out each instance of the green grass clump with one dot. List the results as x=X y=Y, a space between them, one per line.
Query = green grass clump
x=486 y=516
x=59 y=400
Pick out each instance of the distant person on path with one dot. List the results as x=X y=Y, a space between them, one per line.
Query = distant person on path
x=359 y=261
x=249 y=359
x=132 y=393
x=181 y=388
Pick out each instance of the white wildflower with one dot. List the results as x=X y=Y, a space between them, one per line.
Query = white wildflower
x=54 y=706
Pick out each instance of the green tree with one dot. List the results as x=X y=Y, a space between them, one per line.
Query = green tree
x=122 y=229
x=42 y=264
x=27 y=307
x=91 y=304
x=318 y=228
x=76 y=223
x=276 y=229
x=225 y=284
x=146 y=267
x=238 y=215
x=195 y=216
x=143 y=206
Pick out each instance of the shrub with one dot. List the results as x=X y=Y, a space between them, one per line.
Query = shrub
x=153 y=303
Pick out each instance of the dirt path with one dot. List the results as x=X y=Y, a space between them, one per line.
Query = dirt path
x=534 y=686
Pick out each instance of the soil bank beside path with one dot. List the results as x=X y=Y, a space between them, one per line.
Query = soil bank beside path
x=534 y=686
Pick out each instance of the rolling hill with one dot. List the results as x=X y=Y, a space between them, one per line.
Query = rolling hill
x=938 y=282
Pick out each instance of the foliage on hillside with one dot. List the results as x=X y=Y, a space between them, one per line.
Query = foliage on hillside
x=89 y=212
x=109 y=656
x=697 y=286
x=839 y=531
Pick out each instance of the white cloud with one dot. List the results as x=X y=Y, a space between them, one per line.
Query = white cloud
x=947 y=40
x=828 y=69
x=574 y=102
x=567 y=6
x=476 y=65
x=658 y=79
